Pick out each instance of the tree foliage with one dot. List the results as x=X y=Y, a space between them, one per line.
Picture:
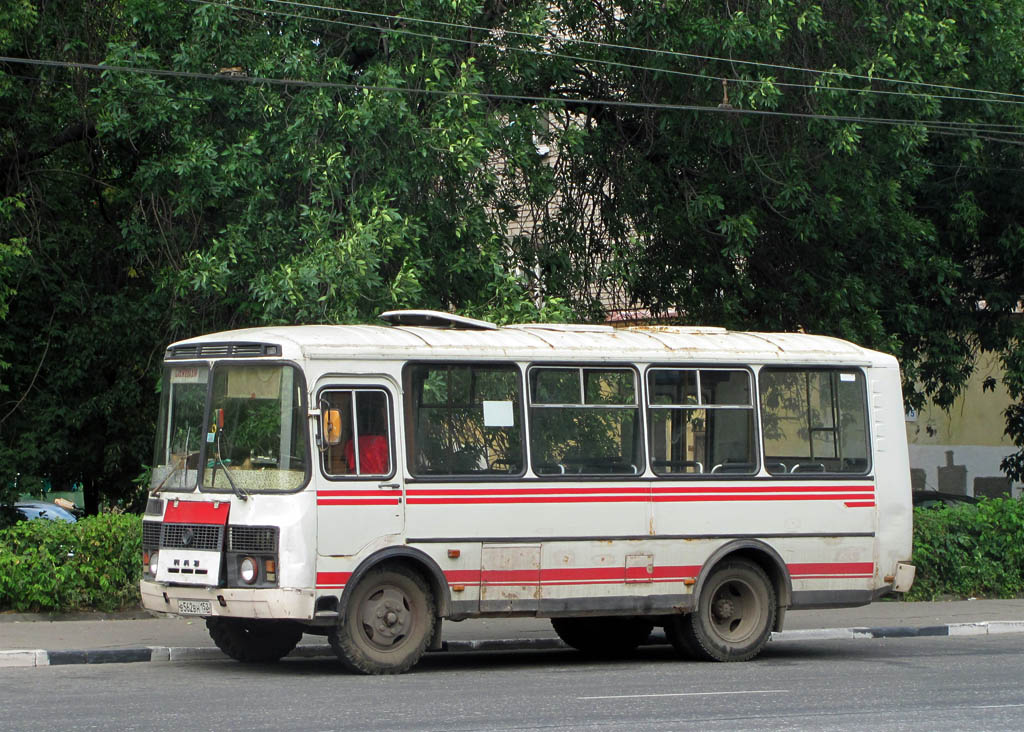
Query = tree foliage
x=785 y=204
x=292 y=163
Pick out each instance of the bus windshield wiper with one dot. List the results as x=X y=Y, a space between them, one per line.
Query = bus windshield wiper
x=181 y=467
x=240 y=492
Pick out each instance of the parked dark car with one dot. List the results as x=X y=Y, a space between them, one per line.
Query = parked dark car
x=931 y=499
x=28 y=510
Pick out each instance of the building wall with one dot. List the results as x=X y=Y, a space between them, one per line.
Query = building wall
x=959 y=450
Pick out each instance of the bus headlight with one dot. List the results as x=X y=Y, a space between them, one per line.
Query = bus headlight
x=154 y=562
x=248 y=570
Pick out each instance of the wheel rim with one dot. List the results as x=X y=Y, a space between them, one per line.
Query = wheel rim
x=735 y=611
x=386 y=618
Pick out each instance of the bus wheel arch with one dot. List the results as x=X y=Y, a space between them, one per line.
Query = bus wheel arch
x=739 y=598
x=389 y=613
x=763 y=556
x=416 y=561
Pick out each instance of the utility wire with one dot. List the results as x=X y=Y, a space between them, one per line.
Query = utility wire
x=640 y=49
x=934 y=126
x=586 y=59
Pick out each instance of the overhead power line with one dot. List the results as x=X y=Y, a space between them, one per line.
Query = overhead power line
x=641 y=49
x=587 y=59
x=937 y=126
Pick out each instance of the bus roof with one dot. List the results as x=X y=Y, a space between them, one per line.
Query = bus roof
x=541 y=342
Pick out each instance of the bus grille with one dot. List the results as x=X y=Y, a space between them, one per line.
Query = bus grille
x=192 y=536
x=252 y=538
x=151 y=533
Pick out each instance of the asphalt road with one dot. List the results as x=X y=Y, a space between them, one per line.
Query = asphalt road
x=954 y=683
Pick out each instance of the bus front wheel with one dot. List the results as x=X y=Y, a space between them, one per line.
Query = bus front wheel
x=253 y=641
x=387 y=623
x=733 y=617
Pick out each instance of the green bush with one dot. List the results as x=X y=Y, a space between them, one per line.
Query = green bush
x=969 y=550
x=94 y=564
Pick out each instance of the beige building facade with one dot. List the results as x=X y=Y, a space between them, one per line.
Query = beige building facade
x=959 y=450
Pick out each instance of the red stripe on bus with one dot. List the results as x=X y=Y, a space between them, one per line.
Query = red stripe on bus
x=196 y=512
x=526 y=491
x=765 y=488
x=565 y=576
x=459 y=576
x=844 y=569
x=378 y=492
x=332 y=579
x=358 y=502
x=860 y=504
x=637 y=490
x=706 y=497
x=760 y=497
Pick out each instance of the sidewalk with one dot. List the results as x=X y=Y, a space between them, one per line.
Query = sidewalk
x=35 y=640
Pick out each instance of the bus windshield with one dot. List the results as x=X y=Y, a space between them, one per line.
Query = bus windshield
x=251 y=427
x=180 y=428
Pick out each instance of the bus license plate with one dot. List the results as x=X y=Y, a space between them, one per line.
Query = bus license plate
x=195 y=607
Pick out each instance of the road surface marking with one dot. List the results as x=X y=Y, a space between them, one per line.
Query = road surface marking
x=687 y=693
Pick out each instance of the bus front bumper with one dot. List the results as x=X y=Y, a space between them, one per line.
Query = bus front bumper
x=271 y=603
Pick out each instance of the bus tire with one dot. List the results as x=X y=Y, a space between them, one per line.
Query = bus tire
x=733 y=617
x=603 y=636
x=253 y=641
x=387 y=623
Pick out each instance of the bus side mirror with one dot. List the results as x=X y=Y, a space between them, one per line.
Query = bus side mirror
x=332 y=426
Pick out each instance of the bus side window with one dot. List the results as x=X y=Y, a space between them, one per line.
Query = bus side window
x=700 y=421
x=464 y=419
x=364 y=422
x=814 y=421
x=585 y=421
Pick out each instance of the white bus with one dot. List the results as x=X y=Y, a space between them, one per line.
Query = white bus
x=365 y=482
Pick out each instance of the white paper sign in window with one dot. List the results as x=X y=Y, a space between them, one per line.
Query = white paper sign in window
x=499 y=414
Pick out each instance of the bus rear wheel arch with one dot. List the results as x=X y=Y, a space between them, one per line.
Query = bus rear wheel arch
x=733 y=616
x=387 y=623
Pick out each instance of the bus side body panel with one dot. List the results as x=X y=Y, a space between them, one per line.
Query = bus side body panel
x=637 y=545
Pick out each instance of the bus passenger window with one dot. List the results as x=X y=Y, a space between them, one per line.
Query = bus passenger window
x=814 y=421
x=701 y=421
x=463 y=419
x=584 y=421
x=364 y=422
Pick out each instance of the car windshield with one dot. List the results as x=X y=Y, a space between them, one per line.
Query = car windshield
x=239 y=428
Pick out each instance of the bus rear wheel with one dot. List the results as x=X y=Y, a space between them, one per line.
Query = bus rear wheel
x=603 y=636
x=254 y=641
x=387 y=623
x=733 y=617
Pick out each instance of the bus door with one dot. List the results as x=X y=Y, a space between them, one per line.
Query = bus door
x=359 y=489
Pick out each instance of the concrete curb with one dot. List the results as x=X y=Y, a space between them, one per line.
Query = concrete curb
x=171 y=654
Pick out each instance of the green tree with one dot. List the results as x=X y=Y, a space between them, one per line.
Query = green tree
x=281 y=163
x=143 y=207
x=783 y=205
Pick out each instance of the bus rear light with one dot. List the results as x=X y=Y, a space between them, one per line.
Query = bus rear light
x=249 y=570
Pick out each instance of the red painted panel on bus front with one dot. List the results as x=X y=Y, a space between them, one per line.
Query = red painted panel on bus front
x=197 y=512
